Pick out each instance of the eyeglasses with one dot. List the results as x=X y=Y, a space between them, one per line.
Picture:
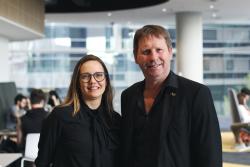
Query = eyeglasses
x=99 y=76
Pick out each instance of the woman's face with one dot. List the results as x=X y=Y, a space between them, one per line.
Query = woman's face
x=92 y=80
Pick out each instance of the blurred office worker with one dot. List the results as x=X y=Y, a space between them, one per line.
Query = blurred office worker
x=167 y=120
x=84 y=130
x=244 y=110
x=53 y=100
x=31 y=122
x=17 y=110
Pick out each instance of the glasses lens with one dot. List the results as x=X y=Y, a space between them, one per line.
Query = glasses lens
x=99 y=76
x=85 y=77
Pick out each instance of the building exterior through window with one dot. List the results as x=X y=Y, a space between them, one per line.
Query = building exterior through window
x=48 y=63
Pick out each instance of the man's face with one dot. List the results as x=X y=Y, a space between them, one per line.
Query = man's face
x=154 y=57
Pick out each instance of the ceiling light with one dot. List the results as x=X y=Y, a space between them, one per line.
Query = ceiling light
x=211 y=6
x=214 y=15
x=109 y=14
x=164 y=10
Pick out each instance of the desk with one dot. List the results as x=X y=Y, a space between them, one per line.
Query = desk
x=8 y=158
x=5 y=133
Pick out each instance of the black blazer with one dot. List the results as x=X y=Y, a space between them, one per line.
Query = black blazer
x=190 y=122
x=84 y=140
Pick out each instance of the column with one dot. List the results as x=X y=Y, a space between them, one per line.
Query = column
x=117 y=34
x=189 y=44
x=4 y=60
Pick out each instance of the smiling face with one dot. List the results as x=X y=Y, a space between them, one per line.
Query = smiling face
x=153 y=56
x=92 y=90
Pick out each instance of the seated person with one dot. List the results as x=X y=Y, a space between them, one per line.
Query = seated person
x=243 y=97
x=244 y=136
x=31 y=122
x=244 y=110
x=17 y=110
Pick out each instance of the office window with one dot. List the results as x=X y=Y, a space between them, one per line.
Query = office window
x=206 y=65
x=248 y=64
x=74 y=59
x=127 y=33
x=56 y=64
x=78 y=44
x=229 y=65
x=56 y=32
x=121 y=63
x=77 y=33
x=209 y=34
x=108 y=35
x=119 y=77
x=172 y=33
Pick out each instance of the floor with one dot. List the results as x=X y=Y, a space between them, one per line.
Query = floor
x=231 y=156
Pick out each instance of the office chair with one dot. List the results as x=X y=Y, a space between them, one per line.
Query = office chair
x=237 y=123
x=31 y=148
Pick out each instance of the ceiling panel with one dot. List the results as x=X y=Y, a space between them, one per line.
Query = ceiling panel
x=75 y=6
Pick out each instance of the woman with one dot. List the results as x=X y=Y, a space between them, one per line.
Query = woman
x=84 y=130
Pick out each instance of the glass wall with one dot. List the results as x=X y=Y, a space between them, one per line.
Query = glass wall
x=48 y=63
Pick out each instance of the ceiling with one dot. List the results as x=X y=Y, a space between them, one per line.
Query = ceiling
x=213 y=11
x=73 y=6
x=16 y=32
x=110 y=12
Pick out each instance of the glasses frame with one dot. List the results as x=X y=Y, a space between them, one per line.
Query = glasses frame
x=92 y=75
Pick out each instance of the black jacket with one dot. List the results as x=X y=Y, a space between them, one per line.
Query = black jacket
x=88 y=139
x=189 y=134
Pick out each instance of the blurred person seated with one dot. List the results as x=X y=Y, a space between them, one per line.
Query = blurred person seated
x=243 y=97
x=31 y=122
x=245 y=136
x=16 y=111
x=54 y=99
x=244 y=110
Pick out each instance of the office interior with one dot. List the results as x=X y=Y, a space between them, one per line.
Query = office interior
x=40 y=44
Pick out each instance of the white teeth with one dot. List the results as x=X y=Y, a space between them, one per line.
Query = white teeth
x=93 y=88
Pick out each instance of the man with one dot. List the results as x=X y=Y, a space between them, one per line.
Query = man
x=31 y=122
x=16 y=111
x=167 y=120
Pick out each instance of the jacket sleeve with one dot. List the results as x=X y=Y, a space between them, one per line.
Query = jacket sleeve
x=126 y=130
x=48 y=140
x=205 y=146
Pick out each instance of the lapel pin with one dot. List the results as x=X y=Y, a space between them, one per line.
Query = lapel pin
x=172 y=93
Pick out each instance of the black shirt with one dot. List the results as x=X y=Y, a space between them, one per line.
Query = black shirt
x=88 y=139
x=32 y=122
x=148 y=125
